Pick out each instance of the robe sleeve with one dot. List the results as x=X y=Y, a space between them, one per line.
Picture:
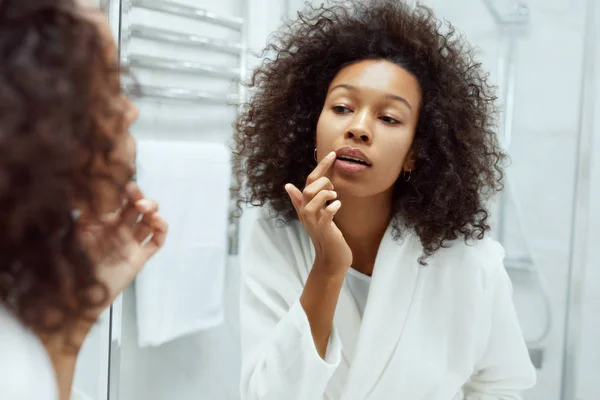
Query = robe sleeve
x=279 y=356
x=505 y=370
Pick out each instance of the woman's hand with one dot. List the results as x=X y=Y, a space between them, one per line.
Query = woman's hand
x=124 y=241
x=333 y=255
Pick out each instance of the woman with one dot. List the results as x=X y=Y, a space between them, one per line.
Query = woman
x=382 y=283
x=70 y=240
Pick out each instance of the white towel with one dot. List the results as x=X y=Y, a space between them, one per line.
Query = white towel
x=181 y=289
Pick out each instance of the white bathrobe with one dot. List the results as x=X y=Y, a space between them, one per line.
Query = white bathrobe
x=26 y=371
x=443 y=331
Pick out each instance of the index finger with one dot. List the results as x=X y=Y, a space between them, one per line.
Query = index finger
x=321 y=168
x=133 y=192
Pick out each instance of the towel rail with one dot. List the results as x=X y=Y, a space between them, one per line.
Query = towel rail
x=157 y=63
x=197 y=13
x=185 y=95
x=168 y=36
x=128 y=30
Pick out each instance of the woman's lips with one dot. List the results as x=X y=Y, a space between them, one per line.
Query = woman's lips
x=349 y=166
x=353 y=153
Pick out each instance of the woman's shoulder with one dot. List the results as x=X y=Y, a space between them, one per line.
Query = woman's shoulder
x=273 y=249
x=274 y=241
x=25 y=370
x=481 y=259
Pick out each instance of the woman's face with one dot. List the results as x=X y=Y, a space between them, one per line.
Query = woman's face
x=370 y=113
x=124 y=150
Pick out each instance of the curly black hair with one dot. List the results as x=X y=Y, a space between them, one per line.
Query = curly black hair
x=58 y=116
x=458 y=161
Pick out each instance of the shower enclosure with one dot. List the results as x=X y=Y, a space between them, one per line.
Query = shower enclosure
x=541 y=54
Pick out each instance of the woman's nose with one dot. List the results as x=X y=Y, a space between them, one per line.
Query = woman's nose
x=359 y=129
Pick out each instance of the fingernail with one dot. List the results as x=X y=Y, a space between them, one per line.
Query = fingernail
x=334 y=193
x=286 y=186
x=144 y=203
x=331 y=155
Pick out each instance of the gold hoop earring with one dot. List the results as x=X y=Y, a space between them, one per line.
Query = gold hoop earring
x=409 y=175
x=316 y=155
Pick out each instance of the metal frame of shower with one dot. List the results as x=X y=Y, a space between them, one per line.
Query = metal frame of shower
x=511 y=24
x=118 y=13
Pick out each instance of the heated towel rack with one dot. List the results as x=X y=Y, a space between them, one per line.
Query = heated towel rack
x=129 y=30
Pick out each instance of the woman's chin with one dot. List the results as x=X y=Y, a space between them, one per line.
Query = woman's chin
x=354 y=188
x=346 y=188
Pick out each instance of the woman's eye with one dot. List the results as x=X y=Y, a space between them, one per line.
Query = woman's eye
x=390 y=120
x=340 y=109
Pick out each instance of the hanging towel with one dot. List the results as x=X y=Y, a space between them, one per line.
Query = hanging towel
x=181 y=289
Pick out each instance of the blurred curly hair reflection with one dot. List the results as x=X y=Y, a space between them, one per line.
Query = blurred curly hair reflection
x=57 y=115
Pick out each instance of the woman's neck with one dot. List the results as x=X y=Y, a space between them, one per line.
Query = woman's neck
x=363 y=221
